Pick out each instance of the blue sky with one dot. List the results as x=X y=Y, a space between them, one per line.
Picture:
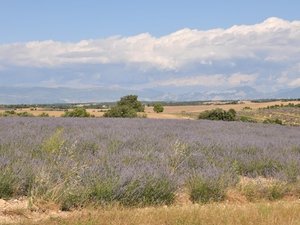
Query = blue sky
x=172 y=48
x=74 y=20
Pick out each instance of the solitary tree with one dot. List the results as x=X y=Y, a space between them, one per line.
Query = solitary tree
x=158 y=108
x=128 y=106
x=132 y=102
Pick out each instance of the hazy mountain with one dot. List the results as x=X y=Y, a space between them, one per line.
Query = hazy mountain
x=289 y=93
x=19 y=95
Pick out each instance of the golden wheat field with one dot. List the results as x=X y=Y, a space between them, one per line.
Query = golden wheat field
x=171 y=112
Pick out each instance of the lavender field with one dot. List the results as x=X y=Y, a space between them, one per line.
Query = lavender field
x=74 y=161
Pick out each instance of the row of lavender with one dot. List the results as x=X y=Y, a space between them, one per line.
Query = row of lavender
x=139 y=161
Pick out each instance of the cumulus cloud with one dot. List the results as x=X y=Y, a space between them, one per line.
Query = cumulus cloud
x=203 y=80
x=273 y=40
x=238 y=78
x=295 y=83
x=264 y=56
x=213 y=80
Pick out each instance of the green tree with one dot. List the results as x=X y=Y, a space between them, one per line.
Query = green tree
x=132 y=102
x=218 y=114
x=121 y=111
x=128 y=106
x=158 y=108
x=77 y=112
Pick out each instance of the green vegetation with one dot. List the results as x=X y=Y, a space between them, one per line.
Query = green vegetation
x=128 y=106
x=132 y=102
x=54 y=143
x=204 y=191
x=14 y=113
x=43 y=114
x=121 y=111
x=259 y=189
x=273 y=121
x=247 y=119
x=158 y=108
x=6 y=184
x=218 y=114
x=276 y=106
x=77 y=112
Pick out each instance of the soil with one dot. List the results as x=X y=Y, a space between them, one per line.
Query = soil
x=18 y=211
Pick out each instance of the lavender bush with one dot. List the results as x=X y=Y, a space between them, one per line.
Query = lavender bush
x=74 y=161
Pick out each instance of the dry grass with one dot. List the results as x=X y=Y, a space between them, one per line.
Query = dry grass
x=276 y=213
x=171 y=112
x=189 y=111
x=54 y=113
x=237 y=208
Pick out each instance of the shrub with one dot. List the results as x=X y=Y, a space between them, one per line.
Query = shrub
x=71 y=201
x=43 y=114
x=121 y=111
x=261 y=188
x=9 y=113
x=273 y=121
x=77 y=112
x=128 y=106
x=152 y=191
x=6 y=184
x=205 y=190
x=260 y=167
x=158 y=108
x=291 y=171
x=102 y=192
x=218 y=114
x=25 y=114
x=247 y=119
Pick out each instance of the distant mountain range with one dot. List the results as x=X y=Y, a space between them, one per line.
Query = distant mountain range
x=34 y=95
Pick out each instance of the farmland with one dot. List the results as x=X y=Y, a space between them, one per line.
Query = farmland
x=76 y=162
x=257 y=112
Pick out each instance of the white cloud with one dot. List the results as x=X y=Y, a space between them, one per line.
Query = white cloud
x=215 y=80
x=273 y=40
x=238 y=78
x=295 y=83
x=283 y=79
x=203 y=80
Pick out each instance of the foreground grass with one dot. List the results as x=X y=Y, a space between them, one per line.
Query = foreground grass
x=281 y=213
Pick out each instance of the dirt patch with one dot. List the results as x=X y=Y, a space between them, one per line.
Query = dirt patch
x=18 y=211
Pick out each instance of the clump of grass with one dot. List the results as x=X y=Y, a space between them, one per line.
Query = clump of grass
x=247 y=119
x=292 y=172
x=262 y=188
x=152 y=191
x=204 y=191
x=43 y=114
x=54 y=142
x=255 y=167
x=102 y=192
x=7 y=181
x=273 y=121
x=72 y=200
